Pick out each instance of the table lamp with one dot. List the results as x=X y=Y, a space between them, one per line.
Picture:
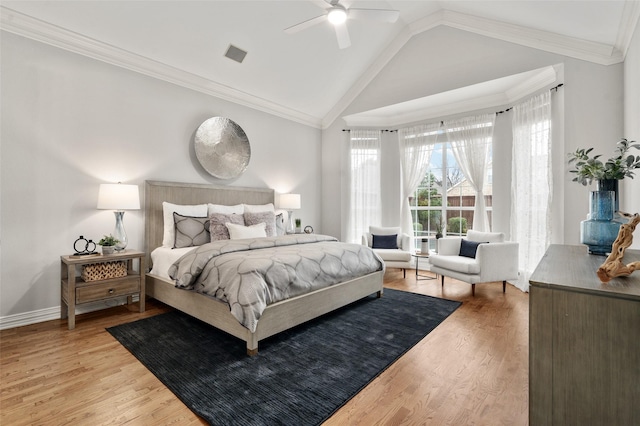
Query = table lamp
x=119 y=197
x=290 y=202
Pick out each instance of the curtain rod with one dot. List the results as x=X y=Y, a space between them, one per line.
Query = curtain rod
x=510 y=108
x=382 y=130
x=442 y=122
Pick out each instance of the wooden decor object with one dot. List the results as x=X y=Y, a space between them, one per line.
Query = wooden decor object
x=613 y=266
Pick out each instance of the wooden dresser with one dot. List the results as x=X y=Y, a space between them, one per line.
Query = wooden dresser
x=584 y=341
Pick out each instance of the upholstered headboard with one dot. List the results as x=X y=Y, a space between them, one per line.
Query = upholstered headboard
x=156 y=192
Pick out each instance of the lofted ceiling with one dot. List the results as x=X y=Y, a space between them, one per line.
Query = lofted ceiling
x=304 y=76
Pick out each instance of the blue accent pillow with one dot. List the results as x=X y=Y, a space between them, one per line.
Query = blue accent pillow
x=385 y=241
x=469 y=248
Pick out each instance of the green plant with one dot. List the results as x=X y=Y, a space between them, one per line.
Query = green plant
x=587 y=168
x=457 y=225
x=298 y=223
x=108 y=240
x=437 y=222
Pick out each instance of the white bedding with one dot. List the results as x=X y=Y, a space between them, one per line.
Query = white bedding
x=164 y=257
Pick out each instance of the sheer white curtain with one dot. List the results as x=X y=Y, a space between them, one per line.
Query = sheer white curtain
x=364 y=191
x=470 y=140
x=416 y=145
x=531 y=183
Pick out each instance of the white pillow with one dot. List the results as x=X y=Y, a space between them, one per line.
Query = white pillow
x=219 y=208
x=259 y=208
x=238 y=232
x=169 y=235
x=485 y=237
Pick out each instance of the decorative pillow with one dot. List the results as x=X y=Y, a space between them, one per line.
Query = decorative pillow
x=469 y=248
x=238 y=232
x=169 y=235
x=257 y=208
x=384 y=230
x=268 y=218
x=281 y=228
x=385 y=241
x=219 y=208
x=217 y=225
x=191 y=231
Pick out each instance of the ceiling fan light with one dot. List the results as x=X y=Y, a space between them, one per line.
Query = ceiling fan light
x=337 y=15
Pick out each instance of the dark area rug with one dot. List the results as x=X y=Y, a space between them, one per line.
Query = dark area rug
x=299 y=377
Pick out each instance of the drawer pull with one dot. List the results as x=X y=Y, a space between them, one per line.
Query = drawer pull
x=111 y=291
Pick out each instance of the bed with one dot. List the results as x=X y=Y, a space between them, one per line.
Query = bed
x=276 y=317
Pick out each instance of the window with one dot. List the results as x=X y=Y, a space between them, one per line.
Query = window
x=445 y=200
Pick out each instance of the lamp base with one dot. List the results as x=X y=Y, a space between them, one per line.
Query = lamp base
x=119 y=232
x=291 y=227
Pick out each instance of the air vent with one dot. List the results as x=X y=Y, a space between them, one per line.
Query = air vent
x=235 y=53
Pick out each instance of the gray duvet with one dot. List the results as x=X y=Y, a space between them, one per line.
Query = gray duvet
x=250 y=274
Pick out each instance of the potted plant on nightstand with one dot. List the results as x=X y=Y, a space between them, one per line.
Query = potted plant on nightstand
x=298 y=226
x=108 y=244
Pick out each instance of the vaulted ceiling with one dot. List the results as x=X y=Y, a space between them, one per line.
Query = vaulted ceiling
x=304 y=76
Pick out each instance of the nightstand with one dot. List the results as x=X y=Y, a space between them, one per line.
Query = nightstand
x=76 y=291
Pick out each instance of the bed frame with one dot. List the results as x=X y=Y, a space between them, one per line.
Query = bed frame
x=277 y=317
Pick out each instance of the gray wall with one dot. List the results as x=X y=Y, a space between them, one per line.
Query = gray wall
x=444 y=59
x=70 y=123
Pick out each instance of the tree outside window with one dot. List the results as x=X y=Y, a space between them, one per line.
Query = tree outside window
x=455 y=216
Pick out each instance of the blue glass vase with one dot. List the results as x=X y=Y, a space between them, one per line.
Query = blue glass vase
x=612 y=185
x=599 y=231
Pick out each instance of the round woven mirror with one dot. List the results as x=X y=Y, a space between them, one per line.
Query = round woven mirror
x=222 y=148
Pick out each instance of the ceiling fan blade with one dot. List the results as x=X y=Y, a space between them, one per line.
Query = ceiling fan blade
x=322 y=3
x=306 y=24
x=381 y=15
x=342 y=33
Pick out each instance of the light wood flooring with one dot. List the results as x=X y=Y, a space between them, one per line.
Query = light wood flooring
x=471 y=370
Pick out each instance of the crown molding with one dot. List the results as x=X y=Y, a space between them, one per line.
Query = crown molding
x=32 y=28
x=562 y=45
x=44 y=32
x=426 y=114
x=544 y=78
x=628 y=25
x=598 y=53
x=503 y=98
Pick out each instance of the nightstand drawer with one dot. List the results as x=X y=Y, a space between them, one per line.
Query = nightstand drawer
x=107 y=290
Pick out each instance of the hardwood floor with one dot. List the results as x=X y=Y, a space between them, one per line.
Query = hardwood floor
x=471 y=370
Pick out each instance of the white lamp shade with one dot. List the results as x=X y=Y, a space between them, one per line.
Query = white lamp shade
x=290 y=201
x=116 y=196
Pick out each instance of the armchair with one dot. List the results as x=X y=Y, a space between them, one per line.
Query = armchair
x=495 y=261
x=396 y=255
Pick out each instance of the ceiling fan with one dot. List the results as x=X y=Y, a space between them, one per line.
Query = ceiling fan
x=337 y=15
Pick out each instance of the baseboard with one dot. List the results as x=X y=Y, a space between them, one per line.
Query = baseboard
x=53 y=313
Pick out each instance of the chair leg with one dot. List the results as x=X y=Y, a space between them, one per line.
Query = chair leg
x=504 y=286
x=473 y=289
x=404 y=273
x=442 y=276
